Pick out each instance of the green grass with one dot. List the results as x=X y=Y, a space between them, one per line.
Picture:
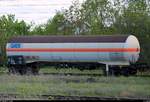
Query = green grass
x=27 y=86
x=34 y=86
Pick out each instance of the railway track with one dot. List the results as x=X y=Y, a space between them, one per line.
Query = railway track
x=13 y=97
x=78 y=74
x=84 y=74
x=71 y=74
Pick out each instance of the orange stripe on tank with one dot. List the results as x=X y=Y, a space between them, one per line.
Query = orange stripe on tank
x=73 y=49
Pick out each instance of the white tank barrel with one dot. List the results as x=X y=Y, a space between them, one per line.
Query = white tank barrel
x=111 y=50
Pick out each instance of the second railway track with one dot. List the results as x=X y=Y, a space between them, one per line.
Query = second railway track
x=14 y=97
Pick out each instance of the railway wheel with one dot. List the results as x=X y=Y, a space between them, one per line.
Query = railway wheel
x=13 y=70
x=35 y=70
x=132 y=71
x=111 y=72
x=125 y=71
x=29 y=71
x=114 y=71
x=22 y=71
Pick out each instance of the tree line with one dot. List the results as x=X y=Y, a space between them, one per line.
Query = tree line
x=92 y=17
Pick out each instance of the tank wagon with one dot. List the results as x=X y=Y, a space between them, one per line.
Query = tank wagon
x=117 y=52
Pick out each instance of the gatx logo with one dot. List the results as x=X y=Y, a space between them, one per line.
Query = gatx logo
x=15 y=45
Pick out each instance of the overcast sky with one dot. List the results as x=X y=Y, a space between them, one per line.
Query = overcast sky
x=37 y=11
